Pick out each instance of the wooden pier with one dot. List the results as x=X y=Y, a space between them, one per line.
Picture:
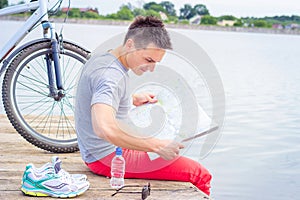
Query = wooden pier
x=16 y=153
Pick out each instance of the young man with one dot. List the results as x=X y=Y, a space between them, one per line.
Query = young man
x=102 y=97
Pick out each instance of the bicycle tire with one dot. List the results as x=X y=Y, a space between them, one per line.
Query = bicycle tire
x=37 y=117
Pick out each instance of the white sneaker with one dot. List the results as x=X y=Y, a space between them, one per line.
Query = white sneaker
x=49 y=183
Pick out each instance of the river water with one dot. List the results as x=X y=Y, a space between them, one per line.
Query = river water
x=258 y=153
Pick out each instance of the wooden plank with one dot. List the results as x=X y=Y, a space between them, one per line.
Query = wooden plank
x=16 y=152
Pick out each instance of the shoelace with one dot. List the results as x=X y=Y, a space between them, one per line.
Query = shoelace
x=66 y=177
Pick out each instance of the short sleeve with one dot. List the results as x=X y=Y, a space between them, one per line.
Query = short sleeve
x=108 y=88
x=106 y=92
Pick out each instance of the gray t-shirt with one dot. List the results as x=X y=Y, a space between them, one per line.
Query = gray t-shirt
x=103 y=80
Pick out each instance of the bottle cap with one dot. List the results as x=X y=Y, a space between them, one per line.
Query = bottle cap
x=118 y=151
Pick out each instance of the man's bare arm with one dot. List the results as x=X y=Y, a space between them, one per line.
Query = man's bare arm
x=106 y=127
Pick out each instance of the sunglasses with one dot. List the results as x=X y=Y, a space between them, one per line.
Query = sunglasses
x=145 y=190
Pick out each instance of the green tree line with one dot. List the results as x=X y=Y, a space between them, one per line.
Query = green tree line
x=186 y=13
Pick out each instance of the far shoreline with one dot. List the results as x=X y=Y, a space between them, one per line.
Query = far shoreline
x=175 y=26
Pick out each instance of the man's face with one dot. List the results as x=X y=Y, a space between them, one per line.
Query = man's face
x=143 y=60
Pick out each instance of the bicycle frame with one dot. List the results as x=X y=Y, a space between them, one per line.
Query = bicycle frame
x=40 y=15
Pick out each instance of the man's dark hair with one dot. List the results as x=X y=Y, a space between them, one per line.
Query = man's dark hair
x=146 y=30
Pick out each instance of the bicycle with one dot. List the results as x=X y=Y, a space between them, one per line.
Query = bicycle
x=39 y=82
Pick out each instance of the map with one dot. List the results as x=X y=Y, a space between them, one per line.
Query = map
x=164 y=118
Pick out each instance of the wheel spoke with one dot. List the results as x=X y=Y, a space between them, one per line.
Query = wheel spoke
x=71 y=72
x=34 y=104
x=34 y=78
x=31 y=102
x=31 y=89
x=34 y=82
x=43 y=58
x=73 y=81
x=42 y=67
x=68 y=103
x=40 y=113
x=68 y=121
x=47 y=118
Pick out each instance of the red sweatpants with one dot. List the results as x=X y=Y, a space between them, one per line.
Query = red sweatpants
x=138 y=165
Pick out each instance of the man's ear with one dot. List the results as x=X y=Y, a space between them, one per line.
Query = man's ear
x=130 y=45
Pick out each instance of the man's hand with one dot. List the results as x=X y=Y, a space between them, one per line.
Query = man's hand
x=171 y=150
x=142 y=98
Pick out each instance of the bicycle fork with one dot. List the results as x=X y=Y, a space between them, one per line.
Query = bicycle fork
x=53 y=57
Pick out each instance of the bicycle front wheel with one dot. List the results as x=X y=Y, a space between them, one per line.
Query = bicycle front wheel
x=38 y=117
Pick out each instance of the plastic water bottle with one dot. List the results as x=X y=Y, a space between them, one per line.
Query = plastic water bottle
x=117 y=170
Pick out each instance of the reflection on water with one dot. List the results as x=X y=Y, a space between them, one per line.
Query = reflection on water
x=257 y=156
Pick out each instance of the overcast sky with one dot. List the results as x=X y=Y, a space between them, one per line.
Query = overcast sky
x=238 y=8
